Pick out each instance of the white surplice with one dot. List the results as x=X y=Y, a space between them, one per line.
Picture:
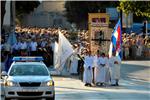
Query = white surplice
x=102 y=76
x=74 y=64
x=96 y=68
x=88 y=73
x=114 y=68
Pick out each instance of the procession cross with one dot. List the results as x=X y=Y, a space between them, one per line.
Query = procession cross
x=100 y=38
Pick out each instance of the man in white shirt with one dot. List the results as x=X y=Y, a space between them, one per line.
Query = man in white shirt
x=28 y=46
x=16 y=48
x=33 y=47
x=88 y=73
x=43 y=43
x=115 y=63
x=23 y=48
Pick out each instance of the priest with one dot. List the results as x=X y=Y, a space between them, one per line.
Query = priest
x=103 y=66
x=115 y=63
x=88 y=73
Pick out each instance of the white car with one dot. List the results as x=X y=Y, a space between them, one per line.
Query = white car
x=28 y=77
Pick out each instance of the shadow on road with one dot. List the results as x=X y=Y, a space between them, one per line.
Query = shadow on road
x=139 y=70
x=101 y=94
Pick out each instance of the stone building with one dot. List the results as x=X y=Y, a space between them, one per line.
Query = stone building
x=47 y=14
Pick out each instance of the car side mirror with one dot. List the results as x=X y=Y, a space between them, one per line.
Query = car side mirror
x=3 y=74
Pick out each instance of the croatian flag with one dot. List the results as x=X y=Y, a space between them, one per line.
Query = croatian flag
x=116 y=41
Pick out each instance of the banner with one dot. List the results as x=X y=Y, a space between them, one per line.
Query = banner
x=65 y=50
x=56 y=58
x=97 y=30
x=116 y=41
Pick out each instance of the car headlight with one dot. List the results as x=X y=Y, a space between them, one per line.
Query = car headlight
x=10 y=83
x=50 y=83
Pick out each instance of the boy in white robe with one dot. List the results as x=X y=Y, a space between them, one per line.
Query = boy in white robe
x=103 y=64
x=115 y=63
x=96 y=67
x=88 y=73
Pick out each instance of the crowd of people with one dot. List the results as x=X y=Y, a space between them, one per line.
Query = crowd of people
x=92 y=68
x=33 y=41
x=135 y=46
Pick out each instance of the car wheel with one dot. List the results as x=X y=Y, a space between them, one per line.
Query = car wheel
x=53 y=98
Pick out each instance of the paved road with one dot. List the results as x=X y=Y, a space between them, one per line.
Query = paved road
x=134 y=85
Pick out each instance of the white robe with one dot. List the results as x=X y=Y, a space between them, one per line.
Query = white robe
x=88 y=73
x=114 y=68
x=74 y=64
x=102 y=76
x=96 y=68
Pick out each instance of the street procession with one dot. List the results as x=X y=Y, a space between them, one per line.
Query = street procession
x=106 y=56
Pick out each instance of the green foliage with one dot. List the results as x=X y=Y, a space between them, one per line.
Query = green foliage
x=24 y=7
x=139 y=8
x=77 y=11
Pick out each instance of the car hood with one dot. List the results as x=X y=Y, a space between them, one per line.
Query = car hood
x=29 y=78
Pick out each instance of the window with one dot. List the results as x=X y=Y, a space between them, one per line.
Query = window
x=24 y=70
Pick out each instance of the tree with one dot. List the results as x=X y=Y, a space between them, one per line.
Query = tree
x=77 y=11
x=25 y=7
x=139 y=8
x=22 y=7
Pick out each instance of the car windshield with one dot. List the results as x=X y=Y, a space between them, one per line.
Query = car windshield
x=24 y=70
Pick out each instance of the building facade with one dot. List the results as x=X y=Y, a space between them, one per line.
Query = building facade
x=47 y=14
